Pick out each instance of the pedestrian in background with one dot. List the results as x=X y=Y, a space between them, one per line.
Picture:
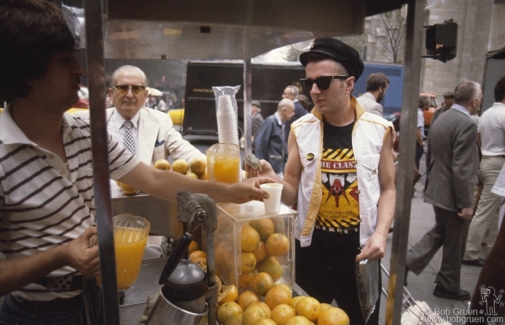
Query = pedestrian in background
x=270 y=144
x=492 y=131
x=448 y=102
x=256 y=120
x=376 y=87
x=424 y=104
x=452 y=162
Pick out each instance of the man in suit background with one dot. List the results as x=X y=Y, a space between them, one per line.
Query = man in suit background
x=376 y=86
x=154 y=136
x=452 y=163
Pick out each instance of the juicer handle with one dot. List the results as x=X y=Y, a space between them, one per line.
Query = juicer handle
x=181 y=247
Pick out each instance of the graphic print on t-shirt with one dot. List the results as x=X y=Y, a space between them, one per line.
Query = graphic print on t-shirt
x=340 y=201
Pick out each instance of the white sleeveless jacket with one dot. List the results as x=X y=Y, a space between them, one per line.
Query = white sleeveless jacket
x=368 y=135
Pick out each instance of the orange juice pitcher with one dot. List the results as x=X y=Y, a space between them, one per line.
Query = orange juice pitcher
x=130 y=238
x=223 y=163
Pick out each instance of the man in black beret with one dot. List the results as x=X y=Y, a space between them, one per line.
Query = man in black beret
x=340 y=173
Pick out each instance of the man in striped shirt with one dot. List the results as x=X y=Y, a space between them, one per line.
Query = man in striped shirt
x=47 y=211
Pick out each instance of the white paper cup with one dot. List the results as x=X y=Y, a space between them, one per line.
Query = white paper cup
x=273 y=203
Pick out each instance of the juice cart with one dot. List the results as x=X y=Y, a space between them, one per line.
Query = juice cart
x=220 y=29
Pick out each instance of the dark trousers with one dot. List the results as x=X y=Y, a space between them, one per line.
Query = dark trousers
x=326 y=271
x=450 y=231
x=57 y=312
x=419 y=154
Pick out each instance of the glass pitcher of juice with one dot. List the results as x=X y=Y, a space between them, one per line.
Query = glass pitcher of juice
x=223 y=163
x=130 y=238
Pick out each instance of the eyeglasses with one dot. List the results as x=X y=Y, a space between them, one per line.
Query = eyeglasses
x=322 y=83
x=123 y=89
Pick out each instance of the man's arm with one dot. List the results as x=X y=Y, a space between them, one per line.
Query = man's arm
x=464 y=151
x=376 y=244
x=165 y=184
x=18 y=272
x=292 y=173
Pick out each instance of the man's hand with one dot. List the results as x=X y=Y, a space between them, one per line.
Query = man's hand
x=80 y=256
x=374 y=248
x=248 y=190
x=466 y=213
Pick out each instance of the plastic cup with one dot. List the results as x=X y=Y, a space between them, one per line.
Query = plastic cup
x=273 y=203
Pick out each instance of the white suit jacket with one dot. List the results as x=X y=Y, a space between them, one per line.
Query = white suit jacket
x=157 y=137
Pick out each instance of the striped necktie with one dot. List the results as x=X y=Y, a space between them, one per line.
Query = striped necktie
x=128 y=141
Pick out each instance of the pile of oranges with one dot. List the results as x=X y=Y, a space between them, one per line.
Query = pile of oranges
x=262 y=250
x=276 y=307
x=197 y=170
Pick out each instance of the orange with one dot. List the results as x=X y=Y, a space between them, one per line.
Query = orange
x=224 y=255
x=299 y=320
x=197 y=254
x=253 y=313
x=230 y=293
x=126 y=189
x=260 y=252
x=235 y=319
x=333 y=316
x=247 y=262
x=295 y=300
x=249 y=238
x=308 y=307
x=277 y=244
x=265 y=321
x=198 y=165
x=276 y=296
x=190 y=174
x=264 y=306
x=201 y=262
x=193 y=246
x=227 y=309
x=262 y=283
x=325 y=306
x=219 y=284
x=271 y=266
x=265 y=227
x=180 y=166
x=283 y=285
x=246 y=298
x=245 y=280
x=282 y=313
x=204 y=176
x=162 y=164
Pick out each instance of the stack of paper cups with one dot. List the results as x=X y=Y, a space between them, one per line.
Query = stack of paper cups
x=226 y=121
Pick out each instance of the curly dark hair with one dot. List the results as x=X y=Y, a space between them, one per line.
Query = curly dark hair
x=31 y=33
x=499 y=90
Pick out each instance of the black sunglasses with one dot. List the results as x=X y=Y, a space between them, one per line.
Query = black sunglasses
x=123 y=89
x=322 y=83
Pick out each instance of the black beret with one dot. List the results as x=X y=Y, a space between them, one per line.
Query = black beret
x=336 y=50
